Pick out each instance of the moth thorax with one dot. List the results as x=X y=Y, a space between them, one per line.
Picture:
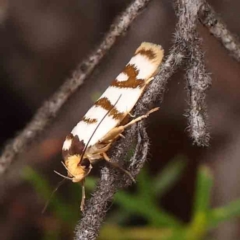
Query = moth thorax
x=77 y=170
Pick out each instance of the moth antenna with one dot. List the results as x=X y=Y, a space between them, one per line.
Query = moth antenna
x=98 y=127
x=63 y=175
x=52 y=194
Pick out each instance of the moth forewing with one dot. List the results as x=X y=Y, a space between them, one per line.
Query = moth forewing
x=91 y=138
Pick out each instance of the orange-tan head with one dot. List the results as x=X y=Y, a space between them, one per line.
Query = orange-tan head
x=78 y=168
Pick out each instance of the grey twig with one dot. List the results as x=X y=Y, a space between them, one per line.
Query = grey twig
x=218 y=28
x=198 y=80
x=51 y=107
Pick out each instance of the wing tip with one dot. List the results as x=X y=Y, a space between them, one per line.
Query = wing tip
x=152 y=51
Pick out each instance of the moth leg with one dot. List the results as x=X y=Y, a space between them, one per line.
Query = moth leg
x=117 y=131
x=131 y=115
x=122 y=136
x=116 y=165
x=149 y=80
x=141 y=117
x=112 y=134
x=83 y=196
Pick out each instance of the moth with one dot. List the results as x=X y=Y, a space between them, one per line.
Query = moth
x=103 y=123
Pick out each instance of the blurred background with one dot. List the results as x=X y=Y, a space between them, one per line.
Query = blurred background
x=42 y=41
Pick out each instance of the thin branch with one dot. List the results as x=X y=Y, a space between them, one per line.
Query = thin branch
x=218 y=28
x=51 y=107
x=198 y=80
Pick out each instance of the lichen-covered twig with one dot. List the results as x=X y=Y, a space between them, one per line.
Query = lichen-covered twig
x=218 y=28
x=51 y=107
x=197 y=78
x=198 y=81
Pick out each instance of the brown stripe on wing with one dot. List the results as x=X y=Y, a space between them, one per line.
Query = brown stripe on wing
x=76 y=147
x=132 y=81
x=146 y=52
x=89 y=120
x=106 y=104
